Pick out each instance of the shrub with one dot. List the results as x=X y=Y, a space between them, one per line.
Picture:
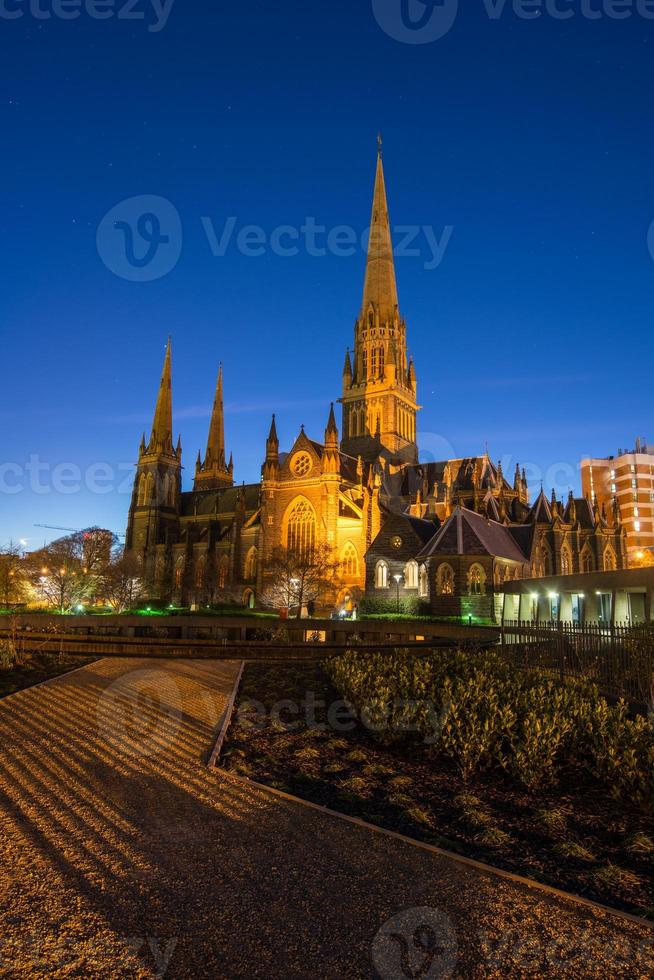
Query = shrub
x=480 y=712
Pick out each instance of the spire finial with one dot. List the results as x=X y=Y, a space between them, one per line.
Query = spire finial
x=380 y=143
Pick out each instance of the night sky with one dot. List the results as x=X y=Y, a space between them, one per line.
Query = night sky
x=531 y=139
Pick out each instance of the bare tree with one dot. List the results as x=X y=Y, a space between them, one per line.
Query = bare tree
x=69 y=571
x=296 y=579
x=122 y=580
x=14 y=579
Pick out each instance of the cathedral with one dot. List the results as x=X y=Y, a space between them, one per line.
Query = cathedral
x=389 y=522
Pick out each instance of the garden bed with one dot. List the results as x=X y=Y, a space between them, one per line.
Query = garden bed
x=572 y=835
x=36 y=668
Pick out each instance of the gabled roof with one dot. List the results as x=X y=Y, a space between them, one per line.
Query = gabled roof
x=468 y=533
x=584 y=513
x=541 y=511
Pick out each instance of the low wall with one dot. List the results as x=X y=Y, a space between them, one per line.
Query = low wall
x=212 y=636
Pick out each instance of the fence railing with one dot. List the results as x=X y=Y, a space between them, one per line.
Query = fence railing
x=618 y=658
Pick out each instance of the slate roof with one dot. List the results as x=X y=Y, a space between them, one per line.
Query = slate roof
x=584 y=510
x=219 y=503
x=468 y=533
x=461 y=472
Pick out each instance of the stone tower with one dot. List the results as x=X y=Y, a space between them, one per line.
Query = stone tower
x=214 y=472
x=154 y=511
x=379 y=382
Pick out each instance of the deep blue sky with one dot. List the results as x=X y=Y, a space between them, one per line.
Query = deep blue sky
x=533 y=139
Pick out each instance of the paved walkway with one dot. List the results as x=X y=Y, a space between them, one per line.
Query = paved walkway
x=122 y=856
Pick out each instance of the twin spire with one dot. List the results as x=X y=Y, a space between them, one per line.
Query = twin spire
x=214 y=472
x=161 y=438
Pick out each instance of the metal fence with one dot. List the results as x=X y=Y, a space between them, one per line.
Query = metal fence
x=619 y=658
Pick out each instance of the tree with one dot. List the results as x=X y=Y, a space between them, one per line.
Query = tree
x=122 y=580
x=69 y=571
x=295 y=579
x=14 y=579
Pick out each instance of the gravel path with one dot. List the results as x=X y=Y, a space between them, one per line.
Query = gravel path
x=123 y=856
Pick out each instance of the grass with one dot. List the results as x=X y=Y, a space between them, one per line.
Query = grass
x=575 y=851
x=641 y=845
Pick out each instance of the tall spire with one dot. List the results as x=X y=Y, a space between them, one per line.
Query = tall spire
x=214 y=472
x=216 y=442
x=161 y=439
x=380 y=289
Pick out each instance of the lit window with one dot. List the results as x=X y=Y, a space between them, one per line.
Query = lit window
x=636 y=525
x=411 y=575
x=381 y=575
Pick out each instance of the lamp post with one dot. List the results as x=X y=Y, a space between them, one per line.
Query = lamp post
x=398 y=579
x=294 y=595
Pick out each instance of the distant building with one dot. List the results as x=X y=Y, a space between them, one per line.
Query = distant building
x=626 y=482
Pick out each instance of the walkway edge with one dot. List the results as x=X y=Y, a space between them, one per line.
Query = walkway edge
x=50 y=680
x=226 y=720
x=488 y=869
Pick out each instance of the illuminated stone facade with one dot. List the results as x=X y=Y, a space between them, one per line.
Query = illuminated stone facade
x=214 y=543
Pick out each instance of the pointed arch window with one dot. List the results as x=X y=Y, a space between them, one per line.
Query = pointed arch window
x=301 y=529
x=566 y=561
x=350 y=561
x=587 y=560
x=411 y=575
x=476 y=580
x=423 y=587
x=445 y=579
x=381 y=575
x=143 y=490
x=610 y=561
x=223 y=569
x=251 y=563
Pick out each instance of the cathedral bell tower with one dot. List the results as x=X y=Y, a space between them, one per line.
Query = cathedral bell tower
x=154 y=511
x=379 y=382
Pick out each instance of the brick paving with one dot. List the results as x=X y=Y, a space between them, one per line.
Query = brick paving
x=123 y=856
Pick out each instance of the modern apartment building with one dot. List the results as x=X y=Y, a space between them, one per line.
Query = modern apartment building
x=627 y=478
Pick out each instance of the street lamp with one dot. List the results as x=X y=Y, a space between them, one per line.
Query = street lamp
x=398 y=579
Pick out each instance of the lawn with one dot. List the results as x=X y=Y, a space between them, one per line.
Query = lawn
x=571 y=835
